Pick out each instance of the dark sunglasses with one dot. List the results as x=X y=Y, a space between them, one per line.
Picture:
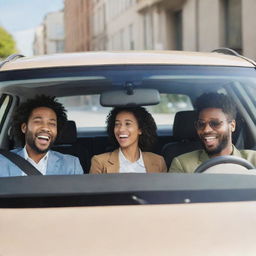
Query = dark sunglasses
x=214 y=124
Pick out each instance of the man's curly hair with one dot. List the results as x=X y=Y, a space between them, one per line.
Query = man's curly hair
x=24 y=110
x=216 y=100
x=145 y=121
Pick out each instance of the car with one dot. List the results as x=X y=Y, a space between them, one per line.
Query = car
x=129 y=213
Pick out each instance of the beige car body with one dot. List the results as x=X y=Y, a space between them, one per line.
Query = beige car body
x=224 y=228
x=190 y=229
x=119 y=58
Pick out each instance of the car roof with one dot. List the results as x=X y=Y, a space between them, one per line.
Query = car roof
x=125 y=58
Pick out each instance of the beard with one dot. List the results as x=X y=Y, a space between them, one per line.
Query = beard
x=222 y=145
x=30 y=140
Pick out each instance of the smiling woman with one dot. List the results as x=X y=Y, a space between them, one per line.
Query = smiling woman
x=133 y=130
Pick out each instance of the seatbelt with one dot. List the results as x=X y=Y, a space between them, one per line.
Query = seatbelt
x=22 y=163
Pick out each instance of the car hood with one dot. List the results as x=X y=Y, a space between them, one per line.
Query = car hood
x=178 y=229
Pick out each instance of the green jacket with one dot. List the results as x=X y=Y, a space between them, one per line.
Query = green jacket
x=188 y=162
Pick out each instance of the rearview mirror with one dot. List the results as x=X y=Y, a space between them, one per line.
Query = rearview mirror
x=138 y=97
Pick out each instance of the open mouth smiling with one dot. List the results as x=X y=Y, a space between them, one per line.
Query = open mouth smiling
x=43 y=137
x=209 y=138
x=123 y=136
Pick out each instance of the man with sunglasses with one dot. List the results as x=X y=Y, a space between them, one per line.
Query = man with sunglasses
x=215 y=125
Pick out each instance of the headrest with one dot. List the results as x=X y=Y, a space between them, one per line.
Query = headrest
x=183 y=126
x=68 y=134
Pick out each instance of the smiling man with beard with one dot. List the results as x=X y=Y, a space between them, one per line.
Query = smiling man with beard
x=36 y=124
x=215 y=125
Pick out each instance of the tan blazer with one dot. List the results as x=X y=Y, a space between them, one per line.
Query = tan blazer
x=109 y=162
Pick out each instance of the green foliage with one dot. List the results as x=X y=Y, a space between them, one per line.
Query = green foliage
x=171 y=103
x=7 y=43
x=163 y=106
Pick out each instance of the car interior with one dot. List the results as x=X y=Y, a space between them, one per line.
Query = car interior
x=183 y=140
x=168 y=96
x=177 y=139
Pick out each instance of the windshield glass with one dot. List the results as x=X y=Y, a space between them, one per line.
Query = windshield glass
x=178 y=87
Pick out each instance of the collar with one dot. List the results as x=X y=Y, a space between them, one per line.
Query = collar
x=26 y=156
x=123 y=158
x=235 y=152
x=204 y=156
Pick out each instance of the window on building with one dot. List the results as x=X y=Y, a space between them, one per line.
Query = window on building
x=104 y=17
x=233 y=24
x=148 y=30
x=121 y=37
x=178 y=29
x=131 y=46
x=59 y=46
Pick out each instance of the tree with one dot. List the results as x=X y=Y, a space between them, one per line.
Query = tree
x=7 y=43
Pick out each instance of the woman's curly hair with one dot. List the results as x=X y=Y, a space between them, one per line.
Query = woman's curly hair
x=24 y=110
x=145 y=121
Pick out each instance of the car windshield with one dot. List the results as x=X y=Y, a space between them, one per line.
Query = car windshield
x=79 y=89
x=178 y=87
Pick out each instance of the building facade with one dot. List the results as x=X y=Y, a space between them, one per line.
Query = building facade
x=121 y=25
x=77 y=25
x=54 y=32
x=39 y=44
x=49 y=36
x=194 y=25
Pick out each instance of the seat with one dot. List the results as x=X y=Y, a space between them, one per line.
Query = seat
x=67 y=143
x=239 y=135
x=68 y=134
x=184 y=137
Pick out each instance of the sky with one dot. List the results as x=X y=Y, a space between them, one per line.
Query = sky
x=21 y=17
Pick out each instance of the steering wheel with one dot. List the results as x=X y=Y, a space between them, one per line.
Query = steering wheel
x=224 y=160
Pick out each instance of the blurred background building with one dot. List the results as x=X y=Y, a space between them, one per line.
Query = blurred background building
x=194 y=25
x=50 y=35
x=77 y=15
x=38 y=44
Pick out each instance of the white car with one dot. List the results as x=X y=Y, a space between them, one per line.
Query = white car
x=129 y=214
